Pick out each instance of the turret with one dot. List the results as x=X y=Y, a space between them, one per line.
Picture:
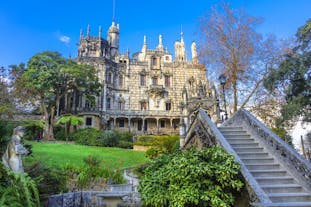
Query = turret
x=113 y=39
x=88 y=31
x=180 y=51
x=160 y=45
x=144 y=48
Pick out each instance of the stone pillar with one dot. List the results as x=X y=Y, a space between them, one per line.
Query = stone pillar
x=143 y=127
x=129 y=124
x=157 y=125
x=114 y=122
x=172 y=129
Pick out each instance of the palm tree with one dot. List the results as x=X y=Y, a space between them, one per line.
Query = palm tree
x=69 y=120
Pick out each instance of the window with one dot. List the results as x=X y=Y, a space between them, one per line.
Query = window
x=109 y=78
x=120 y=105
x=167 y=58
x=154 y=81
x=155 y=61
x=168 y=106
x=87 y=104
x=142 y=80
x=162 y=123
x=88 y=121
x=140 y=125
x=143 y=105
x=167 y=81
x=121 y=81
x=121 y=123
x=108 y=103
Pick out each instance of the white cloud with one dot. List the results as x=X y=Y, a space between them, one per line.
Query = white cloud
x=64 y=39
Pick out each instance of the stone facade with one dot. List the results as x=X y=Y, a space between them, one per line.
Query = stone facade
x=148 y=93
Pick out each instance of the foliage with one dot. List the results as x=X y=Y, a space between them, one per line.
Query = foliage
x=32 y=128
x=60 y=155
x=109 y=138
x=159 y=144
x=17 y=190
x=50 y=77
x=6 y=130
x=69 y=120
x=87 y=136
x=294 y=77
x=50 y=180
x=208 y=177
x=7 y=103
x=59 y=133
x=282 y=133
x=94 y=170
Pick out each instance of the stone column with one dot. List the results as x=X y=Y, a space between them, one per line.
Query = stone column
x=129 y=124
x=157 y=125
x=114 y=122
x=172 y=129
x=143 y=127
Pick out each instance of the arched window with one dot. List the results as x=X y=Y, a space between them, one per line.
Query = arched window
x=120 y=81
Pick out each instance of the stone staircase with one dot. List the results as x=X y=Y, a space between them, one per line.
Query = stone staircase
x=273 y=178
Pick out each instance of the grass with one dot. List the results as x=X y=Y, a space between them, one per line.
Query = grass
x=59 y=155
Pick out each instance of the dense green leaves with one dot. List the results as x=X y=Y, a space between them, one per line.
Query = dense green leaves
x=294 y=77
x=207 y=177
x=17 y=189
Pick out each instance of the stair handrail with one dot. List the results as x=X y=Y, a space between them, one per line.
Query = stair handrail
x=257 y=195
x=283 y=150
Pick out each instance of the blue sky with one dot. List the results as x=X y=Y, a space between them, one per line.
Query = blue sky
x=31 y=26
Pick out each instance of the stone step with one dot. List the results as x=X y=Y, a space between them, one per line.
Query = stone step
x=266 y=166
x=289 y=197
x=234 y=132
x=282 y=188
x=247 y=149
x=267 y=173
x=253 y=154
x=275 y=180
x=243 y=136
x=222 y=129
x=268 y=160
x=251 y=145
x=240 y=140
x=289 y=204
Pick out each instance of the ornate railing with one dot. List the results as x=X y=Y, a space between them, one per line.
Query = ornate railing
x=297 y=165
x=205 y=133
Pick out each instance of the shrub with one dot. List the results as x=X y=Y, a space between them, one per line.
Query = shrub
x=206 y=178
x=59 y=133
x=17 y=190
x=87 y=136
x=109 y=138
x=50 y=180
x=94 y=170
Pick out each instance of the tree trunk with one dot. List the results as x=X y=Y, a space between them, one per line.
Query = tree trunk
x=48 y=122
x=235 y=92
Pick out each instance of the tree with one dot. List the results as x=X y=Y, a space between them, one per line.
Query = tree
x=7 y=106
x=207 y=177
x=50 y=77
x=293 y=76
x=230 y=44
x=69 y=120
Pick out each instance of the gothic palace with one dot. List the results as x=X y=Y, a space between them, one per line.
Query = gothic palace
x=149 y=93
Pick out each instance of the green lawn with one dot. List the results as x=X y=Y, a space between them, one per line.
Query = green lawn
x=58 y=155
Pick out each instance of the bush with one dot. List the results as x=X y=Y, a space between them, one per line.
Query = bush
x=109 y=138
x=17 y=190
x=59 y=133
x=160 y=145
x=94 y=170
x=206 y=178
x=50 y=180
x=87 y=136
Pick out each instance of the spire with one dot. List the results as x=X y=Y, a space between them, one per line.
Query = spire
x=100 y=32
x=181 y=35
x=144 y=49
x=113 y=10
x=160 y=46
x=81 y=34
x=88 y=30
